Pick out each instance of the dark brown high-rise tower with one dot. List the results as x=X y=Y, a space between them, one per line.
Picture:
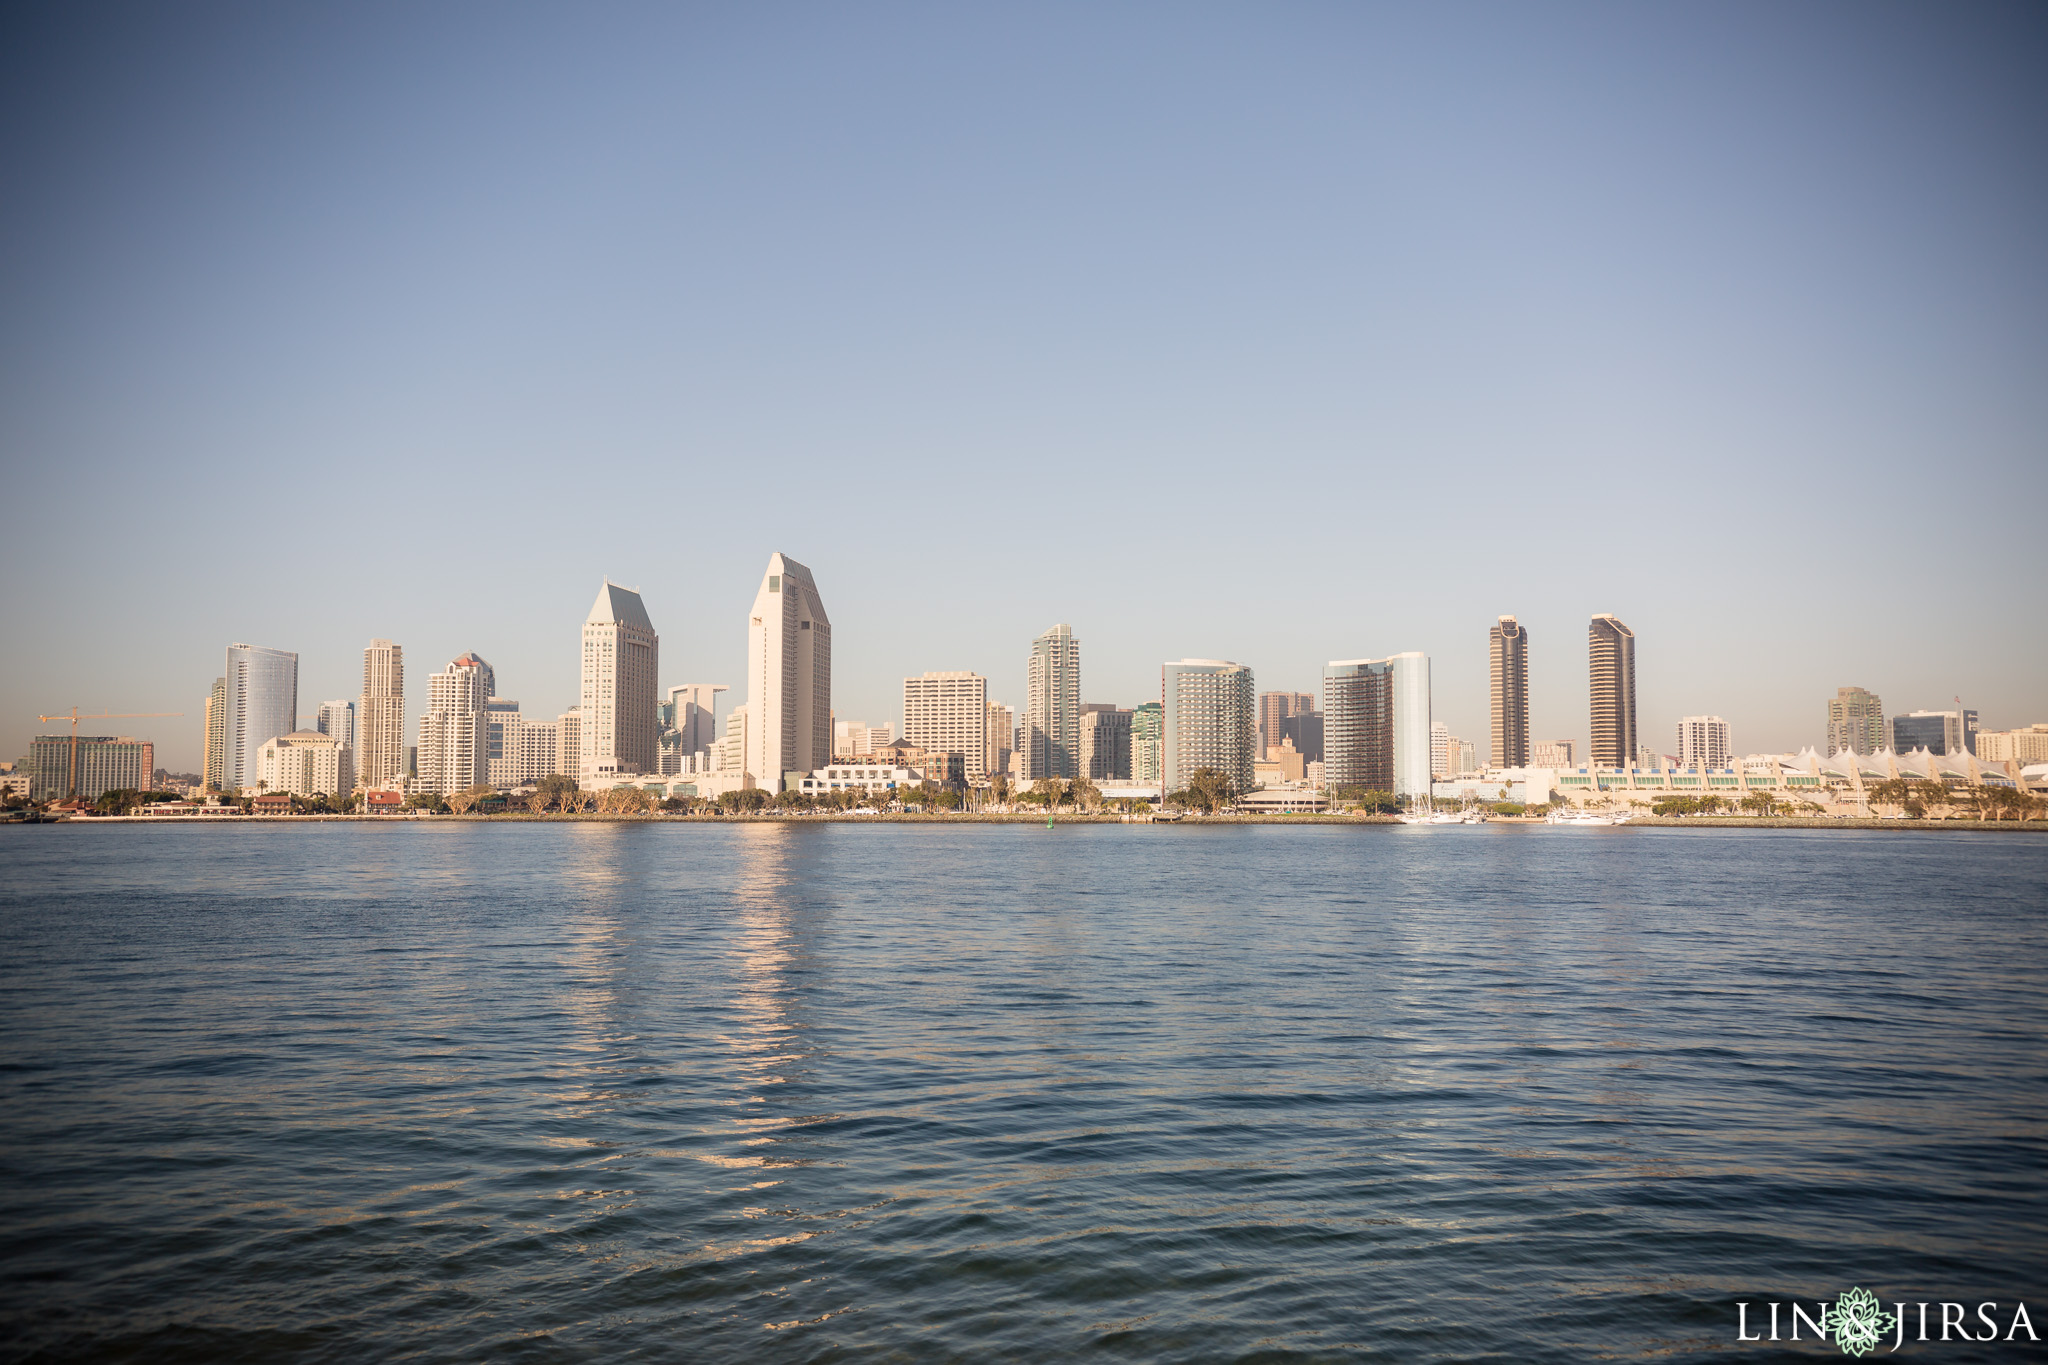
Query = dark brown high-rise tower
x=1611 y=650
x=1508 y=645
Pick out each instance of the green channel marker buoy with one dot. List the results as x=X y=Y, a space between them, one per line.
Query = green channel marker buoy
x=1048 y=822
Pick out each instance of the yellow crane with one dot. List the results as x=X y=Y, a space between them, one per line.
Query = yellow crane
x=74 y=718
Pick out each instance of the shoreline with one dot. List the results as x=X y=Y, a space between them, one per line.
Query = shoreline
x=1077 y=818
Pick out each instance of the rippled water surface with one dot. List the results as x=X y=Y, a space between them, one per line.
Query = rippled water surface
x=773 y=1093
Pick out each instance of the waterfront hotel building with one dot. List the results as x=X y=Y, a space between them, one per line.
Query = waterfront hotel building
x=1376 y=724
x=789 y=677
x=1611 y=661
x=1211 y=721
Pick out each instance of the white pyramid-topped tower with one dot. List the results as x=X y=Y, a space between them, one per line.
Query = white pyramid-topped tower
x=621 y=658
x=789 y=676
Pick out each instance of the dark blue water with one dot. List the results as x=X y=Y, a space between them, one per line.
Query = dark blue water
x=771 y=1093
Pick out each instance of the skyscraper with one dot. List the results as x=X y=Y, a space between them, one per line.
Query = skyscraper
x=1938 y=732
x=1508 y=648
x=1052 y=705
x=380 y=719
x=621 y=658
x=1855 y=722
x=1703 y=742
x=948 y=713
x=1002 y=723
x=262 y=702
x=1376 y=724
x=688 y=724
x=1611 y=648
x=1211 y=720
x=1275 y=710
x=1439 y=749
x=338 y=721
x=789 y=676
x=454 y=747
x=1105 y=754
x=213 y=775
x=1147 y=738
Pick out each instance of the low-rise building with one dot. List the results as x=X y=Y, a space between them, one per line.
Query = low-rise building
x=304 y=763
x=2025 y=747
x=868 y=776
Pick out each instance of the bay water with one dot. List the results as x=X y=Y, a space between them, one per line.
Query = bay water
x=832 y=1092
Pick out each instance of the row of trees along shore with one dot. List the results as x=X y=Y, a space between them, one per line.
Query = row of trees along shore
x=1208 y=791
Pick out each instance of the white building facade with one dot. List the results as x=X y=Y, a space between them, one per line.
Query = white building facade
x=454 y=746
x=948 y=713
x=261 y=703
x=1210 y=720
x=380 y=719
x=305 y=763
x=621 y=659
x=789 y=676
x=1702 y=743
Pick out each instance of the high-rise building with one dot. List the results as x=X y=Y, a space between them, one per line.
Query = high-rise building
x=1052 y=705
x=1105 y=743
x=338 y=720
x=569 y=742
x=1938 y=732
x=688 y=725
x=1148 y=726
x=850 y=739
x=1855 y=722
x=1507 y=647
x=621 y=659
x=1439 y=749
x=1611 y=648
x=89 y=766
x=1550 y=753
x=213 y=770
x=1211 y=720
x=454 y=747
x=1969 y=727
x=502 y=724
x=1703 y=742
x=305 y=763
x=2013 y=746
x=262 y=701
x=948 y=713
x=1001 y=723
x=789 y=676
x=1376 y=724
x=1464 y=756
x=380 y=719
x=738 y=742
x=1275 y=710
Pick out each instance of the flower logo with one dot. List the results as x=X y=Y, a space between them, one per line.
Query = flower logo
x=1858 y=1322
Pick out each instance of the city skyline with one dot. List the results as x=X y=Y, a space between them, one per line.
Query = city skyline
x=1570 y=290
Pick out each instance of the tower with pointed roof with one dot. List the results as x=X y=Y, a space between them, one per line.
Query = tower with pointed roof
x=789 y=676
x=617 y=712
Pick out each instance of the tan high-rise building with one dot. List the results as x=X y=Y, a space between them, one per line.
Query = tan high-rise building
x=1508 y=648
x=1002 y=723
x=380 y=716
x=1611 y=650
x=454 y=747
x=1105 y=743
x=1855 y=722
x=621 y=657
x=948 y=713
x=1275 y=710
x=212 y=775
x=569 y=742
x=789 y=676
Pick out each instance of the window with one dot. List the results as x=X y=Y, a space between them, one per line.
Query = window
x=775 y=582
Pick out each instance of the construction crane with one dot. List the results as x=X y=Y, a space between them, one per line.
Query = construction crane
x=74 y=718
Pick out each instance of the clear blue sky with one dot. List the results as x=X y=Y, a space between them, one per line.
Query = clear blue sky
x=1278 y=333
